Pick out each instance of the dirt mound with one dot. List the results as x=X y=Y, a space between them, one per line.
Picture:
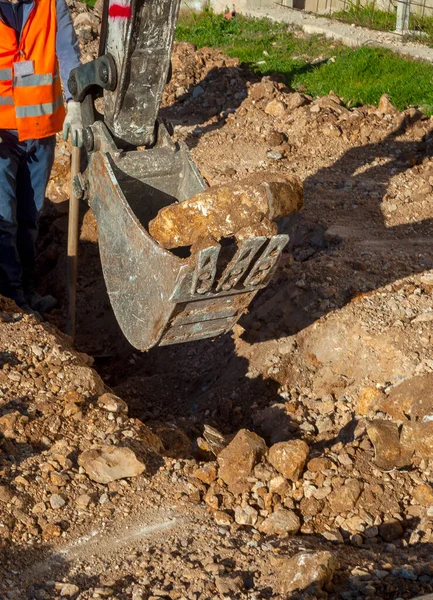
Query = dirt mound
x=202 y=81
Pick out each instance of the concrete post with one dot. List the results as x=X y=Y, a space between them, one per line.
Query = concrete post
x=403 y=14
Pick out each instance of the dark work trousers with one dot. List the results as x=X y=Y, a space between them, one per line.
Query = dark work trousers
x=25 y=169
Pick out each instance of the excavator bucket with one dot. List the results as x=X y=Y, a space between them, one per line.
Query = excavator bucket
x=133 y=170
x=157 y=296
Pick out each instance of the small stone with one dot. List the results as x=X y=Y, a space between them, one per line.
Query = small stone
x=212 y=500
x=71 y=409
x=275 y=108
x=37 y=351
x=229 y=587
x=322 y=493
x=222 y=518
x=8 y=423
x=58 y=479
x=109 y=463
x=345 y=460
x=310 y=507
x=6 y=493
x=51 y=530
x=83 y=501
x=57 y=501
x=408 y=572
x=86 y=19
x=389 y=451
x=206 y=473
x=344 y=498
x=238 y=459
x=276 y=138
x=371 y=532
x=386 y=107
x=355 y=524
x=69 y=590
x=427 y=279
x=74 y=398
x=369 y=400
x=423 y=494
x=103 y=498
x=246 y=515
x=333 y=536
x=279 y=485
x=295 y=100
x=289 y=458
x=103 y=592
x=380 y=573
x=275 y=155
x=39 y=508
x=356 y=540
x=319 y=464
x=197 y=91
x=391 y=530
x=306 y=571
x=281 y=522
x=112 y=403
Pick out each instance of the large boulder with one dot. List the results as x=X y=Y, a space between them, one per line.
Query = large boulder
x=243 y=209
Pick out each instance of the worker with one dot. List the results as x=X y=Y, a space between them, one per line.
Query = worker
x=38 y=49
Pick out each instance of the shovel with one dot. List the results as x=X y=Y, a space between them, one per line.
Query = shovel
x=72 y=256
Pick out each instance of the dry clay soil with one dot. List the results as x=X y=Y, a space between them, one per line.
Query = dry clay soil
x=318 y=359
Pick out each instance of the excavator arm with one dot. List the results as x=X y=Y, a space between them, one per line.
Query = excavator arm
x=134 y=169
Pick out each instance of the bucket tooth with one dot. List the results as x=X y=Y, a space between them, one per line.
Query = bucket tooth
x=265 y=266
x=204 y=274
x=240 y=263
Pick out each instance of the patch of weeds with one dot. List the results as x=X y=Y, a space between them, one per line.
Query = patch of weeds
x=367 y=15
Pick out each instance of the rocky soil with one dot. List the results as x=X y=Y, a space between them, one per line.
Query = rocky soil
x=289 y=459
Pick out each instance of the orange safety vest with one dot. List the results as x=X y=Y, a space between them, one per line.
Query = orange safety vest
x=31 y=103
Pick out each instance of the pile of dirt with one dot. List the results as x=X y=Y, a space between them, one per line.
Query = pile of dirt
x=308 y=427
x=203 y=81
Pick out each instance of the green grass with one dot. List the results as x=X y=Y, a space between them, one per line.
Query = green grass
x=362 y=76
x=312 y=63
x=367 y=16
x=424 y=25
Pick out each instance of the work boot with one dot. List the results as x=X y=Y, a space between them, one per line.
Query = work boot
x=25 y=307
x=41 y=304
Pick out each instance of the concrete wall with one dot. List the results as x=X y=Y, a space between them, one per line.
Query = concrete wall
x=220 y=5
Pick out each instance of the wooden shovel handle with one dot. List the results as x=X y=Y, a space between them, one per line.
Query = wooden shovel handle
x=73 y=234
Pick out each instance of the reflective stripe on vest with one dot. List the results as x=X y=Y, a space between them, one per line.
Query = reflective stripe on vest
x=6 y=101
x=29 y=80
x=38 y=110
x=5 y=74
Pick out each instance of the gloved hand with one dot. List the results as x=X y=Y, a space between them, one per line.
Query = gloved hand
x=73 y=124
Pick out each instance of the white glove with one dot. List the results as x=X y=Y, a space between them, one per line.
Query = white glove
x=73 y=124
